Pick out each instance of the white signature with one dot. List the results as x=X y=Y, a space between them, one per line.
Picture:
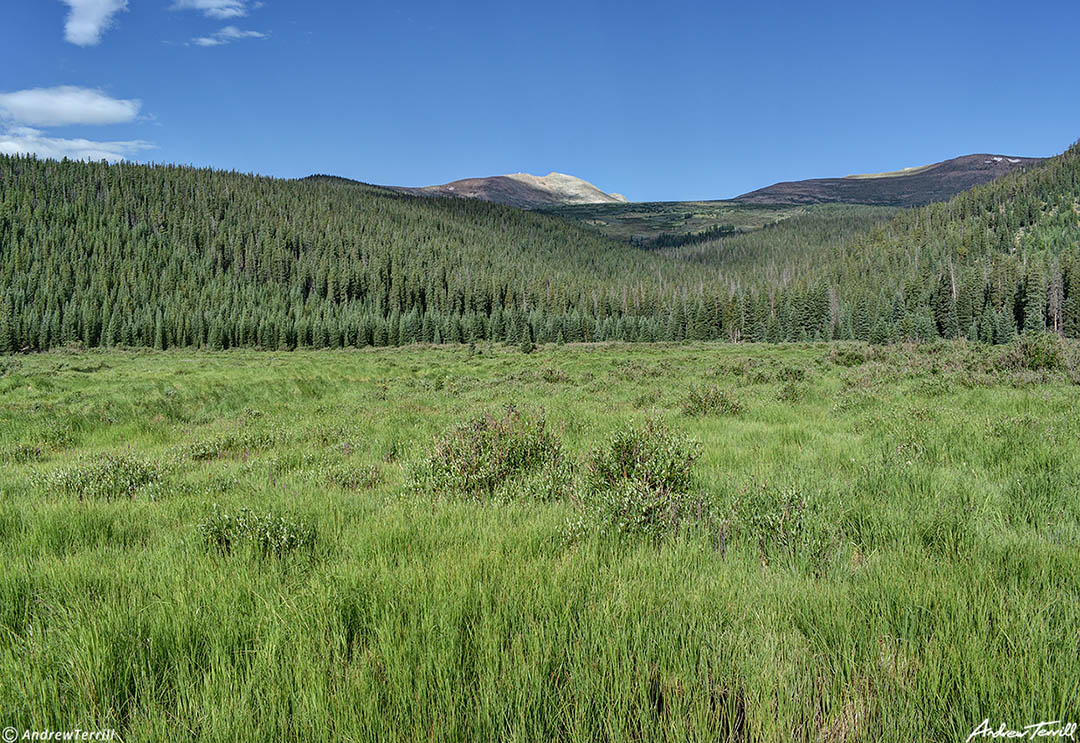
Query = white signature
x=1045 y=729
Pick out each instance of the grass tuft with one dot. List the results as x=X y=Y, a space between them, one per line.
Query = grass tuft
x=268 y=534
x=110 y=477
x=712 y=400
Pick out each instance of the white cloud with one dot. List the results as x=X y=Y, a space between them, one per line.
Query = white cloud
x=65 y=105
x=88 y=19
x=225 y=35
x=26 y=141
x=22 y=110
x=214 y=8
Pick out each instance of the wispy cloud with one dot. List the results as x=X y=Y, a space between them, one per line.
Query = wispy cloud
x=21 y=111
x=27 y=141
x=214 y=8
x=88 y=19
x=226 y=35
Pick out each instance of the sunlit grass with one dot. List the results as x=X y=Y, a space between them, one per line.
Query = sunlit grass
x=891 y=552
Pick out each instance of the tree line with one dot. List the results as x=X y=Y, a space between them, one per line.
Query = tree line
x=165 y=256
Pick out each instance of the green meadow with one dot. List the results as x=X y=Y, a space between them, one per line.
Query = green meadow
x=817 y=542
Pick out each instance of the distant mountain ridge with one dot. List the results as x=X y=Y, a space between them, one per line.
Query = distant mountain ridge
x=522 y=190
x=909 y=187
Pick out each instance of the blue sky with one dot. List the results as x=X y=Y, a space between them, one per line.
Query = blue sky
x=681 y=100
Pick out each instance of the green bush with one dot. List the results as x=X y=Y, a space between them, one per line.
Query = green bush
x=632 y=508
x=1037 y=352
x=847 y=356
x=488 y=454
x=268 y=534
x=353 y=477
x=109 y=477
x=791 y=392
x=22 y=453
x=649 y=454
x=234 y=444
x=641 y=484
x=712 y=400
x=648 y=398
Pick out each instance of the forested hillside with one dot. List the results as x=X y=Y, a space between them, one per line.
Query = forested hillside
x=167 y=256
x=162 y=256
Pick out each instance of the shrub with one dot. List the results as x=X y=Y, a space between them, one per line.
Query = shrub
x=352 y=477
x=650 y=454
x=641 y=484
x=711 y=400
x=392 y=450
x=110 y=477
x=632 y=508
x=234 y=444
x=1037 y=352
x=487 y=454
x=553 y=375
x=267 y=534
x=791 y=392
x=776 y=519
x=791 y=374
x=647 y=399
x=22 y=453
x=847 y=356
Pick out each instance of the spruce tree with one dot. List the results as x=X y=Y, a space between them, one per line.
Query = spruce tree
x=527 y=345
x=1035 y=302
x=7 y=339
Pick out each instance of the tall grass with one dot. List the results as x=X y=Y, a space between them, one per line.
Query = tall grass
x=893 y=553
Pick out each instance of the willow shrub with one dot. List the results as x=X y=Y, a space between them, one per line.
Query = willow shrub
x=508 y=456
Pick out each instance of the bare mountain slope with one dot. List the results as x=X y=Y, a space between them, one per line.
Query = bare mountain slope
x=523 y=190
x=908 y=187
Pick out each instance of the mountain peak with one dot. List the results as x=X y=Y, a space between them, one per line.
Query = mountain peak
x=913 y=186
x=523 y=190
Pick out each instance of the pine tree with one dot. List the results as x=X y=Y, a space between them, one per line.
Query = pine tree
x=7 y=337
x=1006 y=327
x=527 y=345
x=988 y=326
x=1035 y=302
x=1070 y=322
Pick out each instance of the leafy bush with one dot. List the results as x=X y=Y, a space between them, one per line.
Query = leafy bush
x=553 y=375
x=234 y=444
x=641 y=484
x=109 y=477
x=791 y=392
x=392 y=450
x=791 y=374
x=353 y=477
x=632 y=508
x=847 y=356
x=1037 y=352
x=22 y=453
x=648 y=398
x=267 y=534
x=487 y=454
x=650 y=454
x=712 y=400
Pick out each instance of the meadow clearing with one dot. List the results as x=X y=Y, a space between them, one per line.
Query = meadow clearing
x=819 y=542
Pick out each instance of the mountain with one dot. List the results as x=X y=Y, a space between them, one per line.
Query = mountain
x=164 y=256
x=909 y=187
x=522 y=190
